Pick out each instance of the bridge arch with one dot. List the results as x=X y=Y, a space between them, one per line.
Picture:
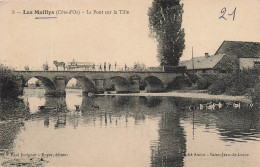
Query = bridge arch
x=86 y=84
x=152 y=84
x=119 y=84
x=46 y=82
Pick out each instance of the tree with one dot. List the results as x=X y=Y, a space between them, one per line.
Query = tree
x=10 y=85
x=78 y=85
x=139 y=66
x=165 y=19
x=38 y=83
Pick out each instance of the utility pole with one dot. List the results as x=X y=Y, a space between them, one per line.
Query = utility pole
x=192 y=60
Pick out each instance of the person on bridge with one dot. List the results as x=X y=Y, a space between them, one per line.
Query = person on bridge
x=105 y=66
x=109 y=66
x=100 y=67
x=93 y=67
x=125 y=66
x=115 y=65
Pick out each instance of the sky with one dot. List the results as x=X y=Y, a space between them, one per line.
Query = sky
x=121 y=38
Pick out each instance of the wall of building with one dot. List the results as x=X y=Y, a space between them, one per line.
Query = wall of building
x=204 y=71
x=247 y=62
x=226 y=65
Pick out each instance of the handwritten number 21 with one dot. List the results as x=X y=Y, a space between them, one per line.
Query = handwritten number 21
x=223 y=12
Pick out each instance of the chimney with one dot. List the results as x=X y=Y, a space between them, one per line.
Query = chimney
x=207 y=55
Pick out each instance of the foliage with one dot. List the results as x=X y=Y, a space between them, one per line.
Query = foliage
x=205 y=80
x=139 y=66
x=165 y=18
x=11 y=108
x=179 y=82
x=201 y=81
x=220 y=85
x=202 y=84
x=78 y=85
x=38 y=83
x=10 y=85
x=235 y=83
x=254 y=93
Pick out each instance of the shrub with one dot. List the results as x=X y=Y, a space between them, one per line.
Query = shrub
x=235 y=83
x=219 y=86
x=204 y=81
x=254 y=93
x=9 y=83
x=179 y=82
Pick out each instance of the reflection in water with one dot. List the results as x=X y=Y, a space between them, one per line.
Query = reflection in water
x=12 y=113
x=73 y=99
x=61 y=120
x=34 y=103
x=170 y=149
x=46 y=120
x=150 y=102
x=238 y=126
x=124 y=130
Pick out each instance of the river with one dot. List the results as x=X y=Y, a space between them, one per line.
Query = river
x=134 y=131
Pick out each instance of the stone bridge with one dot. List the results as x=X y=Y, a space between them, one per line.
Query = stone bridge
x=99 y=81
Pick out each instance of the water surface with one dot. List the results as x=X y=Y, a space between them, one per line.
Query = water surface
x=126 y=131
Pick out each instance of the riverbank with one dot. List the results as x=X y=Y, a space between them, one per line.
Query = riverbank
x=189 y=94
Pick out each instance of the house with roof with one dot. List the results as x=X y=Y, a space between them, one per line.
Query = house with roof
x=247 y=54
x=230 y=56
x=219 y=63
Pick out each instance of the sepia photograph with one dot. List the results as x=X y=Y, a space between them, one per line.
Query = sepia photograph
x=129 y=83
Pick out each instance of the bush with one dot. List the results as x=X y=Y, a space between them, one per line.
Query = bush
x=235 y=83
x=254 y=93
x=220 y=85
x=179 y=82
x=204 y=81
x=9 y=83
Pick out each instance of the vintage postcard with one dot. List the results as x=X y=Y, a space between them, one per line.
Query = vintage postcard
x=130 y=83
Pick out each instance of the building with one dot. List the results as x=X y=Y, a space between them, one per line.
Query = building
x=219 y=63
x=247 y=54
x=230 y=56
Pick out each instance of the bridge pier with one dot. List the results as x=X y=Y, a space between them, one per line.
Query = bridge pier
x=135 y=84
x=99 y=85
x=59 y=87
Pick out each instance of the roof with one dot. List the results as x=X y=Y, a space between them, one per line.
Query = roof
x=202 y=62
x=240 y=49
